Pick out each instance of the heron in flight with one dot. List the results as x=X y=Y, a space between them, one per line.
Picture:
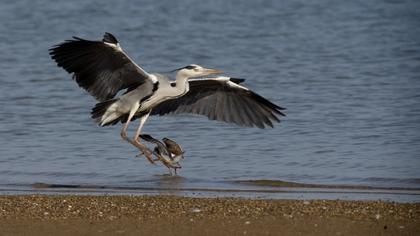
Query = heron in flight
x=103 y=69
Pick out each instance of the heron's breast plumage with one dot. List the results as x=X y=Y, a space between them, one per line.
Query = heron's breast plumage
x=163 y=93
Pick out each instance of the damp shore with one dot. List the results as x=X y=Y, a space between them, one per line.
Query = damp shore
x=174 y=215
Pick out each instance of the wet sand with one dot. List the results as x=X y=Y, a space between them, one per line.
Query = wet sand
x=171 y=215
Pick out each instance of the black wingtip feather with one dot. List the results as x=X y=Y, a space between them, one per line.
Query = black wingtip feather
x=76 y=38
x=267 y=103
x=237 y=80
x=109 y=38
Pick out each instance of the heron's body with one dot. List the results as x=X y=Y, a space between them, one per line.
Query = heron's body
x=103 y=69
x=142 y=101
x=165 y=92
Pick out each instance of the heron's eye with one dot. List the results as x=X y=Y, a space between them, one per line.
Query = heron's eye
x=189 y=67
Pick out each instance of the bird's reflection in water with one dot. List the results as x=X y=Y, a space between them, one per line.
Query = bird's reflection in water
x=171 y=183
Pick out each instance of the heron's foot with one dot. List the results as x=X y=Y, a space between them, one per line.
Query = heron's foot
x=148 y=155
x=141 y=154
x=124 y=136
x=144 y=150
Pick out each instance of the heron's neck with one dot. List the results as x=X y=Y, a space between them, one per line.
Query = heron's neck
x=182 y=84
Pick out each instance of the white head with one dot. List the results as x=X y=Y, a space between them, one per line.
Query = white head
x=194 y=71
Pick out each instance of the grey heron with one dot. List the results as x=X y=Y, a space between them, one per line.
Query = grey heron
x=169 y=152
x=103 y=69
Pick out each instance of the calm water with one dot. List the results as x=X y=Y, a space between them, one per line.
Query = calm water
x=348 y=73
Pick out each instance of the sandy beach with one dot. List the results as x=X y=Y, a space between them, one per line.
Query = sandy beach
x=171 y=215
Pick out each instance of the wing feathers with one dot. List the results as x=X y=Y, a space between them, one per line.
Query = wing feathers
x=219 y=99
x=100 y=67
x=109 y=38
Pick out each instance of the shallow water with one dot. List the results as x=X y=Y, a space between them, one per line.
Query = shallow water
x=347 y=72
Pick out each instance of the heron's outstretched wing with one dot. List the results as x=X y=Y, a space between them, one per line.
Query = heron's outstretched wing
x=100 y=67
x=225 y=100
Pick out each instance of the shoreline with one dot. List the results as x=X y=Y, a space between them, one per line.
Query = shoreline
x=174 y=215
x=257 y=189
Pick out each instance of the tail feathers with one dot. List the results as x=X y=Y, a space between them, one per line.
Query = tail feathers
x=103 y=114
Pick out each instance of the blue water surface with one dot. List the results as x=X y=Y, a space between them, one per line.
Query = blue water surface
x=348 y=73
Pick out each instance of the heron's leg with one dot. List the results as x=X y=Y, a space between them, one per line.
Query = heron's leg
x=142 y=121
x=136 y=140
x=124 y=136
x=155 y=159
x=125 y=127
x=124 y=131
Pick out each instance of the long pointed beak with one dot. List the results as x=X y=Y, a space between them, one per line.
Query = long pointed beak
x=213 y=71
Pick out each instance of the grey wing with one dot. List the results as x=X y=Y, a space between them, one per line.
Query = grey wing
x=223 y=99
x=100 y=67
